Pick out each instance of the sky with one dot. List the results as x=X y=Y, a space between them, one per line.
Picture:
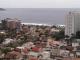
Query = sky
x=39 y=3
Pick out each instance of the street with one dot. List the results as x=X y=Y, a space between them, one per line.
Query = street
x=71 y=58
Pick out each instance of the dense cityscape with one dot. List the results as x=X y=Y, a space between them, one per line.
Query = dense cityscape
x=19 y=41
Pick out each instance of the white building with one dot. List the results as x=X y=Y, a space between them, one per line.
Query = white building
x=72 y=23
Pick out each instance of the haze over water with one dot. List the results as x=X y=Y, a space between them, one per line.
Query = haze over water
x=36 y=15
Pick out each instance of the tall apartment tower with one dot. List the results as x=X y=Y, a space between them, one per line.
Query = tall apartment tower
x=72 y=23
x=11 y=24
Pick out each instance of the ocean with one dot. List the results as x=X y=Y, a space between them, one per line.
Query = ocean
x=36 y=15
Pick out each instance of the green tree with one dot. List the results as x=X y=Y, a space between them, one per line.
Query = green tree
x=72 y=38
x=59 y=35
x=67 y=39
x=5 y=50
x=2 y=37
x=78 y=34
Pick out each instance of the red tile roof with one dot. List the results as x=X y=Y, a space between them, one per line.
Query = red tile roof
x=25 y=50
x=33 y=58
x=36 y=49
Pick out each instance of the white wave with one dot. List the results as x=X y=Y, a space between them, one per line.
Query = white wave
x=37 y=24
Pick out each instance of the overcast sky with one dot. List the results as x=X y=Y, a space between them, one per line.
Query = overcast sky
x=39 y=3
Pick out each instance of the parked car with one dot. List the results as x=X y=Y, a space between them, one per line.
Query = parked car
x=78 y=51
x=47 y=49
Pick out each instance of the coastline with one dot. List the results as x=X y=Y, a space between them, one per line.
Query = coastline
x=40 y=24
x=37 y=24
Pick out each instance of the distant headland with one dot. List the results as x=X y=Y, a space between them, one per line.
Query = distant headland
x=2 y=9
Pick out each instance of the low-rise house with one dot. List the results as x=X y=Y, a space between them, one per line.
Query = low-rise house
x=32 y=58
x=28 y=45
x=55 y=51
x=54 y=30
x=36 y=49
x=17 y=50
x=33 y=55
x=13 y=55
x=64 y=53
x=7 y=40
x=1 y=54
x=76 y=43
x=45 y=55
x=25 y=51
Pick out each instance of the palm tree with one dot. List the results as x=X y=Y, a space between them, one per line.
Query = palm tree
x=2 y=37
x=67 y=39
x=72 y=38
x=78 y=34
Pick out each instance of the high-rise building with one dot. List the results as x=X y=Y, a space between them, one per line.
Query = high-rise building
x=11 y=23
x=72 y=23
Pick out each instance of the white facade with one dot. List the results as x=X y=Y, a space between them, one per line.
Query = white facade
x=72 y=23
